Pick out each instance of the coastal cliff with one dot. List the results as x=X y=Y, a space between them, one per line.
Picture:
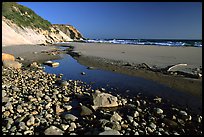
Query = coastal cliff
x=21 y=25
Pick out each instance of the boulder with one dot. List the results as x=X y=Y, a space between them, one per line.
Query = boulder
x=6 y=56
x=85 y=111
x=110 y=132
x=12 y=64
x=53 y=131
x=104 y=100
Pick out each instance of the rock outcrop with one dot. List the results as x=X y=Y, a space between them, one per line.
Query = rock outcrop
x=20 y=25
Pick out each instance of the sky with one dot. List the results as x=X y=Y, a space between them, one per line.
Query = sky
x=125 y=20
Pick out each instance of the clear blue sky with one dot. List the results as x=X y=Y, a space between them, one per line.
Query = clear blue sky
x=150 y=20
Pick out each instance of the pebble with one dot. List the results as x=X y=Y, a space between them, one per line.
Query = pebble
x=135 y=124
x=30 y=101
x=64 y=83
x=159 y=111
x=83 y=73
x=67 y=107
x=70 y=117
x=199 y=119
x=31 y=121
x=136 y=114
x=66 y=99
x=4 y=93
x=115 y=117
x=64 y=127
x=130 y=118
x=152 y=125
x=183 y=113
x=72 y=126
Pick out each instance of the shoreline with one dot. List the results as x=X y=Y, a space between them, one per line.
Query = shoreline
x=189 y=85
x=31 y=53
x=98 y=55
x=62 y=107
x=68 y=109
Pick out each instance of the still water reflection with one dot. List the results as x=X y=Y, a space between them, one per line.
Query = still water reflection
x=71 y=69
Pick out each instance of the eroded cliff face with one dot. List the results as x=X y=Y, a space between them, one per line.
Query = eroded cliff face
x=69 y=30
x=30 y=32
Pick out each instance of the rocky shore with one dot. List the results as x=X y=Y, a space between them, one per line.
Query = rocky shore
x=37 y=103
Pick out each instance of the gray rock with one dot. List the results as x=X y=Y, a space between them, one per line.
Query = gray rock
x=72 y=134
x=136 y=133
x=28 y=132
x=52 y=64
x=19 y=109
x=22 y=126
x=12 y=64
x=3 y=109
x=72 y=126
x=3 y=93
x=85 y=111
x=66 y=99
x=52 y=130
x=64 y=127
x=83 y=73
x=103 y=122
x=170 y=123
x=116 y=126
x=199 y=119
x=67 y=107
x=115 y=117
x=136 y=114
x=64 y=83
x=152 y=125
x=70 y=117
x=110 y=132
x=104 y=100
x=157 y=99
x=20 y=58
x=31 y=121
x=130 y=118
x=135 y=124
x=183 y=113
x=159 y=111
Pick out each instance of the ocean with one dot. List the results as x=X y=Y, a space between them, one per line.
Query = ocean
x=158 y=42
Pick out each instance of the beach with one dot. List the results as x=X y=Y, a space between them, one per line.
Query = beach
x=152 y=55
x=113 y=57
x=30 y=53
x=39 y=103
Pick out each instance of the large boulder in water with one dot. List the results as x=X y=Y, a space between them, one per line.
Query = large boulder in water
x=104 y=100
x=6 y=56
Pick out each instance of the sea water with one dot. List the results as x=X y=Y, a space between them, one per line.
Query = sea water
x=149 y=42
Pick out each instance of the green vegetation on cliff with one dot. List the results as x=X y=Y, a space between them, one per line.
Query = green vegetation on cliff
x=23 y=16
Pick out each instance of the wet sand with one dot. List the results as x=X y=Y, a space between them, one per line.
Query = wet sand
x=112 y=57
x=30 y=53
x=152 y=55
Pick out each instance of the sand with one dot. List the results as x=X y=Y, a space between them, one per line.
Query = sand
x=153 y=55
x=93 y=54
x=30 y=53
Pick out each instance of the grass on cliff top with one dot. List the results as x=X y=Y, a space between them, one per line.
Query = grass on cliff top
x=23 y=16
